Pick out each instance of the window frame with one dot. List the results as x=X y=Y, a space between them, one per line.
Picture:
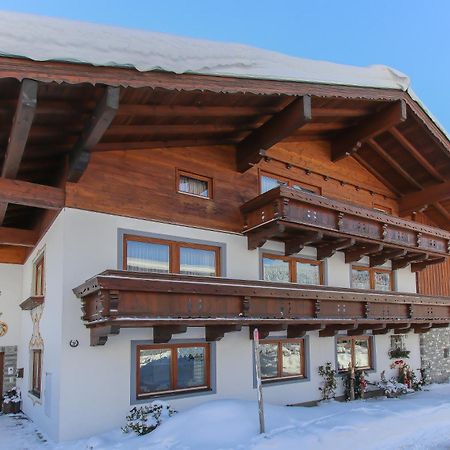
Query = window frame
x=290 y=182
x=280 y=342
x=36 y=373
x=173 y=369
x=195 y=176
x=372 y=271
x=353 y=339
x=174 y=251
x=292 y=261
x=39 y=263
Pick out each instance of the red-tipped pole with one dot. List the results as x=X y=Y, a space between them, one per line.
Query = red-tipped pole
x=262 y=428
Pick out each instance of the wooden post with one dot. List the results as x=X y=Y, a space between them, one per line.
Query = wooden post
x=352 y=382
x=262 y=428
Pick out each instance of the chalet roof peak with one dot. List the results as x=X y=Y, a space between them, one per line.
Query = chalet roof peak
x=43 y=38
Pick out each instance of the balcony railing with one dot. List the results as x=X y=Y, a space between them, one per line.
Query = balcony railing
x=170 y=303
x=300 y=218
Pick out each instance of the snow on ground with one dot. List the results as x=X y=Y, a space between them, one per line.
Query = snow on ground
x=415 y=421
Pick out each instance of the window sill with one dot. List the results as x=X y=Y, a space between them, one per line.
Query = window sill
x=282 y=379
x=35 y=397
x=194 y=195
x=179 y=392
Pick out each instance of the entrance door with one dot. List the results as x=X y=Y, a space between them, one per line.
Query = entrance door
x=2 y=372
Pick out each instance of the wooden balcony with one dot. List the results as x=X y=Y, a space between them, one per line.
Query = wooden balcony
x=171 y=303
x=300 y=218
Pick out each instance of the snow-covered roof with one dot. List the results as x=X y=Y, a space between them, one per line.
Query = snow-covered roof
x=49 y=39
x=41 y=38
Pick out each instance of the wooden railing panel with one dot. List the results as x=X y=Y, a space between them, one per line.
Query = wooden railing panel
x=295 y=212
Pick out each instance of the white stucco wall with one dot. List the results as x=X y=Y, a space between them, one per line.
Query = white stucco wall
x=95 y=381
x=86 y=390
x=10 y=298
x=44 y=411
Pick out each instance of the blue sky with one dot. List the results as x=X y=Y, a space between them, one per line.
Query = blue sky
x=410 y=35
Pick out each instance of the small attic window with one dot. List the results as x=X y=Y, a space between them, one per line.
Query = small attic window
x=193 y=184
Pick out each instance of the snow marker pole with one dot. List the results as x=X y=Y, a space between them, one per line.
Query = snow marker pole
x=262 y=428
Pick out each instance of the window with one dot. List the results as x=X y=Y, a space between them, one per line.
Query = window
x=295 y=270
x=355 y=351
x=372 y=278
x=144 y=254
x=36 y=371
x=269 y=181
x=192 y=184
x=39 y=285
x=282 y=359
x=165 y=369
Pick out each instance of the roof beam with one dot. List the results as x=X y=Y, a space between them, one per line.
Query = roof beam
x=390 y=160
x=416 y=201
x=23 y=118
x=31 y=194
x=195 y=110
x=17 y=236
x=376 y=173
x=13 y=254
x=253 y=148
x=416 y=154
x=350 y=141
x=99 y=122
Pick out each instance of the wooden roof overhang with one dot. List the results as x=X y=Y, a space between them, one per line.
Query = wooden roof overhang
x=300 y=218
x=53 y=115
x=170 y=303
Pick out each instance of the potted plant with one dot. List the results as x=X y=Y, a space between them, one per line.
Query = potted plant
x=11 y=402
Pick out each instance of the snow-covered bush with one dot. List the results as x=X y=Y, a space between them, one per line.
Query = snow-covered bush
x=145 y=419
x=392 y=387
x=329 y=381
x=12 y=396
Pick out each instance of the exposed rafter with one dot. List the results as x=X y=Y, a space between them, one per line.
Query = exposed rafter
x=31 y=194
x=16 y=236
x=392 y=162
x=99 y=122
x=416 y=154
x=350 y=141
x=376 y=173
x=416 y=201
x=253 y=148
x=23 y=119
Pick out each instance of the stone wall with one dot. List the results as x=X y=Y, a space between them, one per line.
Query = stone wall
x=10 y=367
x=435 y=354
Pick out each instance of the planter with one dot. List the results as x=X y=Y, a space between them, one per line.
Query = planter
x=11 y=407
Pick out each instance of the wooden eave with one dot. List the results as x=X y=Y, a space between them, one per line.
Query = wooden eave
x=121 y=299
x=388 y=132
x=301 y=218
